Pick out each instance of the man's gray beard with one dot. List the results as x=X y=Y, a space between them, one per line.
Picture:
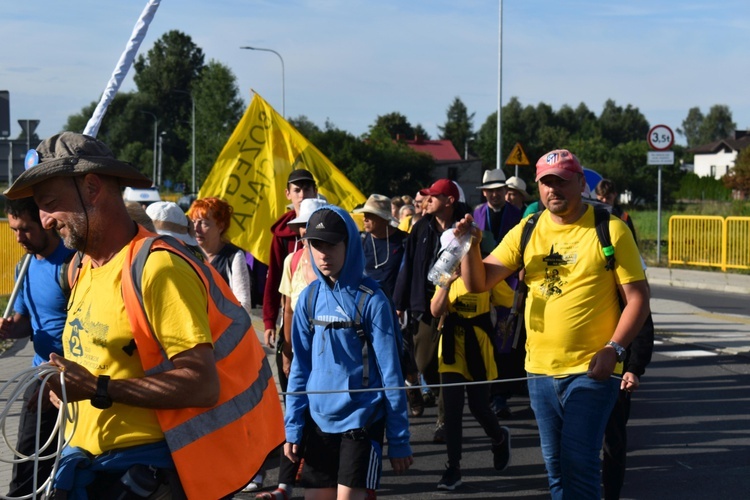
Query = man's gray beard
x=77 y=230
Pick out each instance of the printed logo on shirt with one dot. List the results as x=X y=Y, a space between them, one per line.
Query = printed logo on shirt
x=554 y=258
x=552 y=284
x=466 y=304
x=330 y=318
x=74 y=343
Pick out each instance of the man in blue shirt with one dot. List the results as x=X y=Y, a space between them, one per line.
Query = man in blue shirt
x=40 y=311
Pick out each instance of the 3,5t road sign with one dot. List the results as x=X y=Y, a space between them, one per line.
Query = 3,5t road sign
x=660 y=138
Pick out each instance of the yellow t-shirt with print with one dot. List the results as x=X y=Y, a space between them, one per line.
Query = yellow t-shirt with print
x=572 y=308
x=469 y=305
x=98 y=336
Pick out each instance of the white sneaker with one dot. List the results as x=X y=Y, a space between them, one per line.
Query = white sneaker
x=256 y=484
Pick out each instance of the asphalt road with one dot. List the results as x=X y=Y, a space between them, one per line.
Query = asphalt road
x=715 y=302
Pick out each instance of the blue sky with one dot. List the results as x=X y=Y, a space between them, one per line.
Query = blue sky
x=349 y=61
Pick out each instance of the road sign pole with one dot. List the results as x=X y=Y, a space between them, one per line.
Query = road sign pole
x=658 y=219
x=660 y=138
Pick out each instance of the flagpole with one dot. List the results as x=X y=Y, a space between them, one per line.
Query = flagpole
x=499 y=86
x=123 y=66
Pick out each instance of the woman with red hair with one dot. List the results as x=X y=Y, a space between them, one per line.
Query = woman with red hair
x=211 y=218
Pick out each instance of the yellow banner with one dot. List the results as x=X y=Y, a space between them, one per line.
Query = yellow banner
x=252 y=170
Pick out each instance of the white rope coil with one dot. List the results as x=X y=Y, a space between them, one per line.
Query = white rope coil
x=16 y=387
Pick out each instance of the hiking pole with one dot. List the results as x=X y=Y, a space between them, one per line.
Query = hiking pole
x=19 y=282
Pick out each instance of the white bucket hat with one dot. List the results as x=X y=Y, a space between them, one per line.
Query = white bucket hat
x=493 y=179
x=518 y=184
x=379 y=205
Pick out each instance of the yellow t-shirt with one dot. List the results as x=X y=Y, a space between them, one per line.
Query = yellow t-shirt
x=97 y=329
x=572 y=308
x=405 y=224
x=469 y=305
x=292 y=284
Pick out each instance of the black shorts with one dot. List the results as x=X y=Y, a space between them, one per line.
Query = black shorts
x=353 y=458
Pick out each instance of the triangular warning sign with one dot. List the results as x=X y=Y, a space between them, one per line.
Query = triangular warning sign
x=517 y=156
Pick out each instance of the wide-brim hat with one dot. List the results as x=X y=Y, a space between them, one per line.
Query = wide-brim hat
x=518 y=184
x=493 y=179
x=379 y=205
x=70 y=154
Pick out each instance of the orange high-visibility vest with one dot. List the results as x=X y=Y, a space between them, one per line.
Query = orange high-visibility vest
x=216 y=450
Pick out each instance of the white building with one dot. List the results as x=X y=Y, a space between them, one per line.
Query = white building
x=716 y=158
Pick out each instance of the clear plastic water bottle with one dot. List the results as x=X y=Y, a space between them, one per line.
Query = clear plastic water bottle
x=452 y=250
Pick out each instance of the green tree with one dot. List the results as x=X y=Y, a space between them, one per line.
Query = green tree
x=170 y=78
x=459 y=127
x=396 y=124
x=718 y=124
x=375 y=163
x=699 y=129
x=305 y=126
x=691 y=127
x=420 y=132
x=621 y=125
x=218 y=109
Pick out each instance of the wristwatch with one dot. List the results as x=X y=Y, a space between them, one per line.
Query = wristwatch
x=620 y=350
x=101 y=398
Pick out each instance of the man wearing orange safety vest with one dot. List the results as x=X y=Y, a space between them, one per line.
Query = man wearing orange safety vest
x=163 y=361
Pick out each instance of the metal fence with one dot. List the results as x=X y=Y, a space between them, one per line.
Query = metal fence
x=11 y=253
x=709 y=241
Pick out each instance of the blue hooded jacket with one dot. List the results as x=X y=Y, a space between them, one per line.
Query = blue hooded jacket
x=329 y=359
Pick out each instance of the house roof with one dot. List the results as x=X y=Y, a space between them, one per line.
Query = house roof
x=740 y=141
x=442 y=150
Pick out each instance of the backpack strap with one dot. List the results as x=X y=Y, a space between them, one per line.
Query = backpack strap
x=296 y=257
x=528 y=228
x=519 y=295
x=71 y=270
x=601 y=222
x=62 y=278
x=363 y=293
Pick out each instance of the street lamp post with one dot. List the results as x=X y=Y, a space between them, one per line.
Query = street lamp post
x=192 y=101
x=161 y=148
x=156 y=134
x=283 y=92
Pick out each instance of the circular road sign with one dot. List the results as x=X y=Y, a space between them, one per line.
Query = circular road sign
x=660 y=137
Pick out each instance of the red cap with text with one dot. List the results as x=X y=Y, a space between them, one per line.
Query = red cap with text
x=559 y=162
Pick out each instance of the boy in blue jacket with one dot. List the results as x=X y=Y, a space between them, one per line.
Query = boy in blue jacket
x=344 y=338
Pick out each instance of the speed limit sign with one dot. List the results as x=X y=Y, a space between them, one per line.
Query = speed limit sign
x=660 y=137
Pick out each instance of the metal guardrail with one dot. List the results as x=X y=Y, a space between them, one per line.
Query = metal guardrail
x=710 y=241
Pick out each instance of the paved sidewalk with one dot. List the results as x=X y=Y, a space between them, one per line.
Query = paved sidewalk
x=677 y=321
x=717 y=281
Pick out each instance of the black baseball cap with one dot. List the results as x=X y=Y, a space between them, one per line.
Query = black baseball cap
x=326 y=225
x=300 y=176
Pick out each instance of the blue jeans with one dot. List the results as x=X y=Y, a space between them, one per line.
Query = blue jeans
x=571 y=413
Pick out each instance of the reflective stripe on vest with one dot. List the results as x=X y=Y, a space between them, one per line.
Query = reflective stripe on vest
x=246 y=424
